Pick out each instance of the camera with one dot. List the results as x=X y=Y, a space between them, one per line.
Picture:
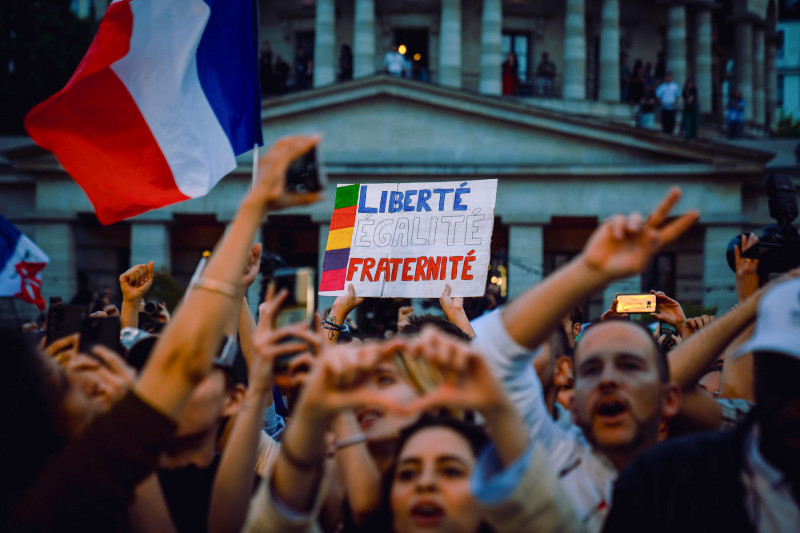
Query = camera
x=778 y=248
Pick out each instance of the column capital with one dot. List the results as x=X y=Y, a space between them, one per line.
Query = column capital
x=746 y=17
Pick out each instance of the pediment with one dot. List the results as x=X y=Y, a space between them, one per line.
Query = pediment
x=387 y=125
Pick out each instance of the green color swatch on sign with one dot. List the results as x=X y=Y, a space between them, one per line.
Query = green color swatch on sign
x=347 y=196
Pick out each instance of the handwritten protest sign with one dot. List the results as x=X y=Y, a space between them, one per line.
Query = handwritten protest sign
x=410 y=239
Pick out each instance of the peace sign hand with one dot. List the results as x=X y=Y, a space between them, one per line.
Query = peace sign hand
x=623 y=245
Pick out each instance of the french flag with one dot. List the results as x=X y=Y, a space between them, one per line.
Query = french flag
x=21 y=264
x=164 y=100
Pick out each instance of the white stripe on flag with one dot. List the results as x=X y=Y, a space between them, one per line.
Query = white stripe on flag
x=160 y=72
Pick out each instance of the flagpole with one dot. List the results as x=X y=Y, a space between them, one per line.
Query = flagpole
x=257 y=126
x=255 y=163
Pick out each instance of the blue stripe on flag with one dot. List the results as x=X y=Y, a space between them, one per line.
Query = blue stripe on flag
x=228 y=70
x=9 y=237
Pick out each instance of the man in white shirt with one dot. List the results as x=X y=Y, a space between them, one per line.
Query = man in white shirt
x=668 y=94
x=622 y=390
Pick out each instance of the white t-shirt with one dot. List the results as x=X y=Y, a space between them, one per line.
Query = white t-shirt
x=586 y=476
x=668 y=94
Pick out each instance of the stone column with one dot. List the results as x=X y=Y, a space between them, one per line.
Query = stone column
x=150 y=241
x=450 y=44
x=743 y=64
x=575 y=50
x=702 y=60
x=676 y=43
x=525 y=242
x=717 y=277
x=57 y=240
x=491 y=51
x=609 y=52
x=771 y=81
x=324 y=43
x=364 y=39
x=758 y=76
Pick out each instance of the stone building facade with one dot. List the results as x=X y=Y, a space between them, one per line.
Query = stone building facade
x=564 y=163
x=464 y=42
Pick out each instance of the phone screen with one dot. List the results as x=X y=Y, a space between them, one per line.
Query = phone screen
x=305 y=173
x=636 y=303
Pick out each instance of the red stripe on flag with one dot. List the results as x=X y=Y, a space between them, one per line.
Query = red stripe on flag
x=96 y=131
x=344 y=217
x=333 y=280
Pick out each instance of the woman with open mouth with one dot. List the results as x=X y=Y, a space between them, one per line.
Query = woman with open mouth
x=443 y=476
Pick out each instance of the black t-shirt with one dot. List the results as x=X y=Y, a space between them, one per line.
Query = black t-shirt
x=187 y=492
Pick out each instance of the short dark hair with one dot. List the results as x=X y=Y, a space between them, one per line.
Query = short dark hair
x=576 y=316
x=661 y=356
x=559 y=344
x=417 y=322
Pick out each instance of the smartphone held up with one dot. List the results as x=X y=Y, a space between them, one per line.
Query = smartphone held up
x=306 y=174
x=636 y=303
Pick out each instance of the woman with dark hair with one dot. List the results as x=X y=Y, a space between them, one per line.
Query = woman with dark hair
x=443 y=477
x=637 y=83
x=691 y=109
x=439 y=452
x=510 y=74
x=67 y=470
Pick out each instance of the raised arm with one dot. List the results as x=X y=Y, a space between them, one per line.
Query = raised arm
x=620 y=247
x=134 y=283
x=185 y=351
x=453 y=308
x=690 y=360
x=233 y=484
x=342 y=307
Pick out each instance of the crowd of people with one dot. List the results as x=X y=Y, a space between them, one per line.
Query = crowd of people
x=520 y=419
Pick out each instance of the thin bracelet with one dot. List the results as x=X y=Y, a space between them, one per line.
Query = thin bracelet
x=349 y=441
x=332 y=326
x=298 y=463
x=217 y=286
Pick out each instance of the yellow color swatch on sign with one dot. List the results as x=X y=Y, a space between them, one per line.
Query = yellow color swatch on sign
x=339 y=238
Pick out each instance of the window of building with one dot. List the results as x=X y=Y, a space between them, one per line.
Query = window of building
x=781 y=38
x=780 y=89
x=660 y=274
x=519 y=43
x=413 y=43
x=190 y=236
x=102 y=253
